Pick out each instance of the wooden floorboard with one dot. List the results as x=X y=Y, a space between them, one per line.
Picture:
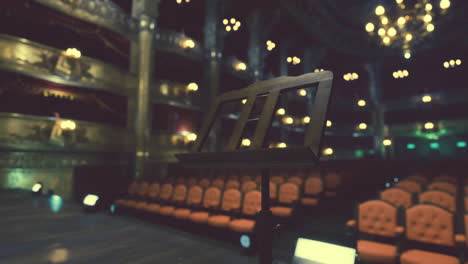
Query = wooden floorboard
x=31 y=233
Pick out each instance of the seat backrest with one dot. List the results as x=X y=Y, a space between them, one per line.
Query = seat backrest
x=218 y=182
x=191 y=181
x=244 y=177
x=288 y=193
x=195 y=195
x=397 y=196
x=212 y=197
x=179 y=194
x=232 y=200
x=248 y=186
x=430 y=224
x=444 y=186
x=418 y=178
x=445 y=178
x=143 y=189
x=411 y=186
x=377 y=217
x=153 y=190
x=252 y=203
x=273 y=191
x=180 y=180
x=332 y=180
x=204 y=182
x=296 y=179
x=278 y=179
x=313 y=186
x=440 y=198
x=166 y=191
x=133 y=187
x=232 y=184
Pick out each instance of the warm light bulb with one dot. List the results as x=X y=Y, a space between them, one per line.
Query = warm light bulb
x=427 y=18
x=329 y=123
x=386 y=40
x=192 y=137
x=407 y=55
x=428 y=7
x=361 y=103
x=405 y=73
x=401 y=21
x=228 y=28
x=246 y=142
x=355 y=76
x=328 y=151
x=408 y=37
x=399 y=1
x=381 y=32
x=363 y=126
x=225 y=22
x=302 y=92
x=346 y=77
x=241 y=66
x=458 y=62
x=430 y=27
x=282 y=145
x=244 y=101
x=444 y=4
x=192 y=86
x=395 y=75
x=429 y=125
x=379 y=10
x=280 y=111
x=426 y=99
x=387 y=142
x=391 y=32
x=233 y=21
x=306 y=120
x=289 y=59
x=288 y=120
x=384 y=20
x=446 y=65
x=370 y=27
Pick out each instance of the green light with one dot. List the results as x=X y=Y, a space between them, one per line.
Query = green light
x=410 y=146
x=359 y=153
x=461 y=144
x=434 y=145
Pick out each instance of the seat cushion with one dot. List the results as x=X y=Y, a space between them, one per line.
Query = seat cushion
x=375 y=252
x=281 y=211
x=199 y=217
x=140 y=205
x=416 y=256
x=219 y=221
x=181 y=213
x=166 y=210
x=242 y=225
x=308 y=201
x=152 y=208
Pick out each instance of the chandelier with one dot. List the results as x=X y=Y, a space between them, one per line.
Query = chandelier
x=407 y=23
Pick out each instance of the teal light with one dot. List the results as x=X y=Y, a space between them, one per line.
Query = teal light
x=359 y=153
x=461 y=144
x=410 y=146
x=434 y=145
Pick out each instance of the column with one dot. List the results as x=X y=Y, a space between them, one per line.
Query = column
x=213 y=58
x=146 y=11
x=256 y=44
x=378 y=122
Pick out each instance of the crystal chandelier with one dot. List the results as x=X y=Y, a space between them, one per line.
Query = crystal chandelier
x=406 y=23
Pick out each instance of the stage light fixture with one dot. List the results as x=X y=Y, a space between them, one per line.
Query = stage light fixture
x=306 y=120
x=302 y=92
x=90 y=200
x=328 y=151
x=241 y=66
x=361 y=103
x=282 y=145
x=379 y=10
x=429 y=125
x=461 y=144
x=434 y=145
x=387 y=142
x=329 y=123
x=426 y=99
x=244 y=101
x=281 y=111
x=37 y=188
x=192 y=87
x=362 y=126
x=245 y=142
x=410 y=146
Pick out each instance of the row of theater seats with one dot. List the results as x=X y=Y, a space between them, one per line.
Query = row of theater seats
x=223 y=201
x=415 y=221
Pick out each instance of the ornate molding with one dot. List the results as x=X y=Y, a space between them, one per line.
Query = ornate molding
x=43 y=62
x=100 y=12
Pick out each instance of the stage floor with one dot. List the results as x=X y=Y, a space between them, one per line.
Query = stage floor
x=31 y=232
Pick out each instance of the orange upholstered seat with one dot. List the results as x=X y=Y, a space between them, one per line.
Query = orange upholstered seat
x=164 y=196
x=191 y=181
x=410 y=186
x=248 y=186
x=288 y=195
x=313 y=188
x=377 y=252
x=246 y=177
x=446 y=178
x=232 y=199
x=152 y=208
x=278 y=176
x=167 y=210
x=232 y=184
x=204 y=182
x=332 y=183
x=140 y=194
x=416 y=256
x=211 y=200
x=440 y=198
x=433 y=226
x=251 y=204
x=218 y=182
x=378 y=219
x=444 y=186
x=418 y=178
x=397 y=196
x=178 y=197
x=194 y=198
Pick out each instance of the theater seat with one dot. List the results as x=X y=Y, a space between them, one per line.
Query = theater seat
x=199 y=217
x=182 y=213
x=251 y=205
x=307 y=201
x=164 y=196
x=416 y=256
x=313 y=188
x=219 y=220
x=231 y=203
x=397 y=196
x=194 y=198
x=377 y=252
x=178 y=197
x=242 y=225
x=281 y=211
x=167 y=210
x=288 y=196
x=152 y=208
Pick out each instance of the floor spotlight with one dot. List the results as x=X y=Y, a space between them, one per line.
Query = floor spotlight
x=245 y=241
x=90 y=201
x=37 y=188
